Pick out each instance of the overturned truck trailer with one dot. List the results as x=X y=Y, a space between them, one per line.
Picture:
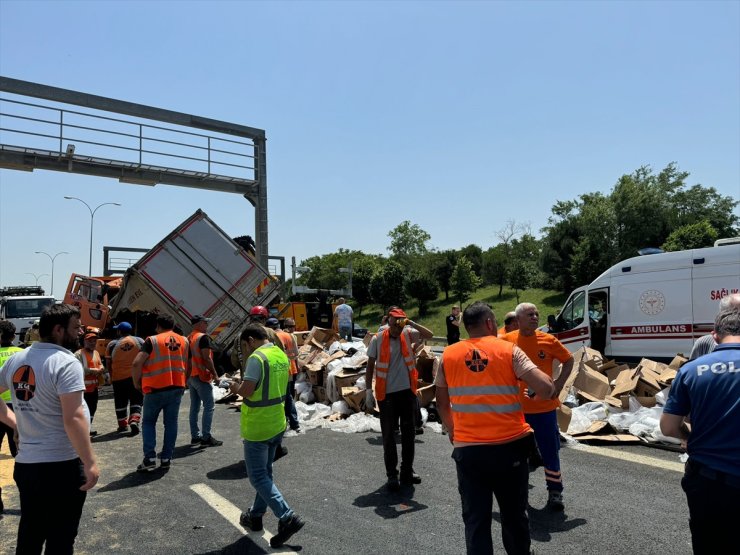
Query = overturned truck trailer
x=197 y=269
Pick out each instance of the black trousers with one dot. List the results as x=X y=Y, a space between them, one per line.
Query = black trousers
x=51 y=506
x=714 y=508
x=125 y=394
x=6 y=430
x=91 y=398
x=398 y=405
x=501 y=470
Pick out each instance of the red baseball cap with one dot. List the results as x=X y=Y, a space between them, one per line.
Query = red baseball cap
x=397 y=313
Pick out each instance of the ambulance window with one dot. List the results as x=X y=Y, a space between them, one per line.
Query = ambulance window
x=572 y=313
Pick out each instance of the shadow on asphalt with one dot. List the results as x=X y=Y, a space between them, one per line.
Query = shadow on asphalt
x=236 y=471
x=134 y=479
x=378 y=440
x=246 y=546
x=388 y=504
x=110 y=436
x=544 y=522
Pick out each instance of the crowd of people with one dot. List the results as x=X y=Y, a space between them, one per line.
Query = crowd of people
x=496 y=396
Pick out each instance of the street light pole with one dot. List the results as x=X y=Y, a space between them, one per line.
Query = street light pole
x=52 y=258
x=37 y=278
x=92 y=218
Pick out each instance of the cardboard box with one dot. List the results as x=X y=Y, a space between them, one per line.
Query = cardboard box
x=609 y=438
x=564 y=414
x=368 y=337
x=355 y=398
x=323 y=336
x=426 y=392
x=306 y=354
x=591 y=384
x=300 y=337
x=646 y=402
x=568 y=383
x=595 y=428
x=625 y=382
x=320 y=394
x=677 y=362
x=346 y=378
x=425 y=364
x=315 y=377
x=613 y=371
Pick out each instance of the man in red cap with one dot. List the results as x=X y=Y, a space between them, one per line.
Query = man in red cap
x=391 y=359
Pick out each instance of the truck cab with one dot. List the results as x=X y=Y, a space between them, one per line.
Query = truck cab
x=89 y=294
x=22 y=306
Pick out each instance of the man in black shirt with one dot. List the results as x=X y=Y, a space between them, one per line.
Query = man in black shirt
x=453 y=326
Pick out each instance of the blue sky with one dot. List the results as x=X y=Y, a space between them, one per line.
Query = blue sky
x=457 y=116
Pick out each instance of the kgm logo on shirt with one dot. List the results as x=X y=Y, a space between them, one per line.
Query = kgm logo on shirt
x=476 y=361
x=542 y=355
x=24 y=383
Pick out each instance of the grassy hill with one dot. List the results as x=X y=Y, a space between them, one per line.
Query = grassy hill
x=548 y=302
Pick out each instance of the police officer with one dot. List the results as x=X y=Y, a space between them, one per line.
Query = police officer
x=708 y=388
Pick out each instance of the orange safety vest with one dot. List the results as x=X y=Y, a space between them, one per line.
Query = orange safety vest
x=484 y=391
x=197 y=360
x=291 y=349
x=382 y=364
x=167 y=362
x=122 y=358
x=90 y=360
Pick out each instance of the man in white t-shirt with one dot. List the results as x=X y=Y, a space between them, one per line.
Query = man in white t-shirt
x=56 y=464
x=344 y=319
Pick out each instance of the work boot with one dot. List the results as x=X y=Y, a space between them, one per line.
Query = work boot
x=122 y=426
x=286 y=529
x=134 y=429
x=146 y=465
x=134 y=422
x=254 y=523
x=211 y=441
x=555 y=501
x=410 y=479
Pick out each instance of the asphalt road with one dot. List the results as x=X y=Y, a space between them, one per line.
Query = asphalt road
x=618 y=499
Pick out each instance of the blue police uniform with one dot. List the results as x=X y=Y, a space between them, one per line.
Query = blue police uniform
x=708 y=390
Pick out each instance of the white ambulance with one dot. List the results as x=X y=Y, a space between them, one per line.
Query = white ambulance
x=652 y=306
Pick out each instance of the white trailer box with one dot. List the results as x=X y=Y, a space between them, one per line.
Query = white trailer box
x=651 y=306
x=197 y=269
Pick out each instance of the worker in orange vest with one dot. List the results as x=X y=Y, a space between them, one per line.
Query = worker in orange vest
x=160 y=371
x=127 y=400
x=94 y=372
x=202 y=374
x=291 y=350
x=478 y=401
x=392 y=359
x=543 y=349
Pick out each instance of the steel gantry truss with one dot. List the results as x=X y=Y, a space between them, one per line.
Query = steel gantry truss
x=150 y=146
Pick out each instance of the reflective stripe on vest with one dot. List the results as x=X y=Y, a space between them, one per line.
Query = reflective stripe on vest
x=382 y=364
x=167 y=362
x=90 y=361
x=263 y=412
x=484 y=391
x=198 y=361
x=5 y=354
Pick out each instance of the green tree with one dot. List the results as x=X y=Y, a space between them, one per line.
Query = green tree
x=408 y=241
x=475 y=255
x=691 y=236
x=363 y=269
x=495 y=263
x=444 y=265
x=386 y=285
x=464 y=281
x=423 y=287
x=521 y=274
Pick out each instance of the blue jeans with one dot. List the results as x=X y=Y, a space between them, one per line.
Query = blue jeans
x=290 y=411
x=547 y=436
x=160 y=401
x=201 y=391
x=345 y=332
x=258 y=457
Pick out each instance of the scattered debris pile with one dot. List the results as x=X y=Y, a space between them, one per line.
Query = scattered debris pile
x=606 y=402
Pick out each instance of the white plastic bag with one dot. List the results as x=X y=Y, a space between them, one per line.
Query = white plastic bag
x=307 y=397
x=341 y=407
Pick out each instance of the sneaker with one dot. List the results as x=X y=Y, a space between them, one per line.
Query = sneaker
x=122 y=429
x=93 y=433
x=254 y=523
x=134 y=429
x=393 y=484
x=280 y=452
x=286 y=529
x=410 y=479
x=196 y=440
x=211 y=442
x=165 y=463
x=555 y=501
x=146 y=465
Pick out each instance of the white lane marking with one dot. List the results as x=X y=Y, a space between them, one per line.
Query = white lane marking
x=231 y=513
x=632 y=457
